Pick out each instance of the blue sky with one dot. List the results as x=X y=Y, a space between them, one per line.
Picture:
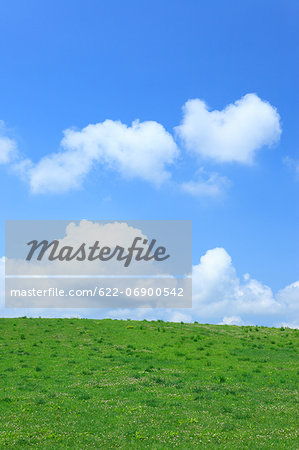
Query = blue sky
x=70 y=64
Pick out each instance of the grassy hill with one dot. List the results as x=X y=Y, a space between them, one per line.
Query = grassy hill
x=75 y=383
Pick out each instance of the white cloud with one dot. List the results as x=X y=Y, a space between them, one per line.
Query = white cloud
x=289 y=296
x=206 y=185
x=8 y=146
x=178 y=316
x=218 y=291
x=233 y=320
x=220 y=296
x=141 y=151
x=288 y=325
x=111 y=233
x=233 y=134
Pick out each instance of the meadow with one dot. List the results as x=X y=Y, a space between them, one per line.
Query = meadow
x=81 y=384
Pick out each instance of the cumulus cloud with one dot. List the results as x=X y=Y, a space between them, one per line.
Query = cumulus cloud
x=294 y=324
x=233 y=134
x=206 y=185
x=111 y=233
x=289 y=296
x=220 y=296
x=8 y=146
x=233 y=320
x=218 y=291
x=142 y=151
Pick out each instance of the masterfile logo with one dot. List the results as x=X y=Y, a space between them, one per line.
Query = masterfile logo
x=98 y=264
x=96 y=252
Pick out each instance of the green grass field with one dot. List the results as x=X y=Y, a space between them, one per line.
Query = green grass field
x=76 y=383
